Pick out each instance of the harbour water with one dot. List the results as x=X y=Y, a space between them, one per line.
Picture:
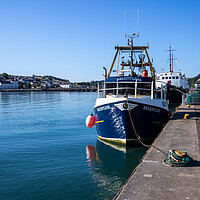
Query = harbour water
x=47 y=152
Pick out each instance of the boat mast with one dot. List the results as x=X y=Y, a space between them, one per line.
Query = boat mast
x=173 y=61
x=131 y=65
x=131 y=40
x=170 y=58
x=130 y=48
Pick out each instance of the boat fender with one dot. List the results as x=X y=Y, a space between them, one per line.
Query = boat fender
x=170 y=114
x=90 y=120
x=145 y=73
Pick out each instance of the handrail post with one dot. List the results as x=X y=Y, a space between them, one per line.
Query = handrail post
x=136 y=88
x=164 y=92
x=152 y=90
x=104 y=87
x=98 y=90
x=117 y=88
x=161 y=96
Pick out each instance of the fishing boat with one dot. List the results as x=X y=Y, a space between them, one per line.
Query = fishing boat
x=174 y=81
x=128 y=97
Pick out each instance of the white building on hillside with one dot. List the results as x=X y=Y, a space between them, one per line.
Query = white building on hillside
x=197 y=86
x=66 y=85
x=8 y=84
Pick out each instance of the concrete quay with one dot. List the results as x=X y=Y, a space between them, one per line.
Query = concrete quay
x=154 y=180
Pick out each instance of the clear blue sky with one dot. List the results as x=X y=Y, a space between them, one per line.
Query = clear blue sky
x=74 y=39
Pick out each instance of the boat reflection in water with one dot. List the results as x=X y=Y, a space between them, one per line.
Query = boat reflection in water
x=110 y=166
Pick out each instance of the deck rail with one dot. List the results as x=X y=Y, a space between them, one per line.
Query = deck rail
x=136 y=91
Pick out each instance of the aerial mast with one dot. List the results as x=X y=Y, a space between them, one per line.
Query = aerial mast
x=170 y=58
x=130 y=40
x=173 y=61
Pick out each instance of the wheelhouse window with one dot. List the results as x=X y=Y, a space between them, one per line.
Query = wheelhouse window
x=111 y=88
x=127 y=88
x=144 y=89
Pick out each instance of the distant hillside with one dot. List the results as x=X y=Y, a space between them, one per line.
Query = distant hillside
x=91 y=83
x=55 y=78
x=192 y=81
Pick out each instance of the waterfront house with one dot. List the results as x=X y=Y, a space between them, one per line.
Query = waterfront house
x=66 y=85
x=8 y=84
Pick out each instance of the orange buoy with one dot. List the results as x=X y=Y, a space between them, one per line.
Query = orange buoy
x=90 y=120
x=145 y=73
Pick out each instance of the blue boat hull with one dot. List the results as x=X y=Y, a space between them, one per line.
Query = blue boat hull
x=113 y=122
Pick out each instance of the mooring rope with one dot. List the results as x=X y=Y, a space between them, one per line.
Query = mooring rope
x=138 y=136
x=175 y=158
x=179 y=159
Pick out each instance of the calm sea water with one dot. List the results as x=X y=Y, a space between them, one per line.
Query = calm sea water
x=47 y=152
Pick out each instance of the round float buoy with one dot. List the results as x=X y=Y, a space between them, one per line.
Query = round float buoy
x=145 y=73
x=90 y=120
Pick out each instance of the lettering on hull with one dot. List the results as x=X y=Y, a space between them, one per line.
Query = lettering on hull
x=103 y=108
x=151 y=109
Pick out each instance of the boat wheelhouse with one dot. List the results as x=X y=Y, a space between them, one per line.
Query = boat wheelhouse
x=130 y=90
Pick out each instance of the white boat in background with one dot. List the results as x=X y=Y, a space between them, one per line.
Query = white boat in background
x=175 y=81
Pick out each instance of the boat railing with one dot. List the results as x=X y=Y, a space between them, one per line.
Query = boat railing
x=135 y=92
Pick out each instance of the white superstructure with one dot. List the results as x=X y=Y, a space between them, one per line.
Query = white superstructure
x=177 y=79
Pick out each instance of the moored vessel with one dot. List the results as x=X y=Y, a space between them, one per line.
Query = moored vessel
x=174 y=81
x=130 y=97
